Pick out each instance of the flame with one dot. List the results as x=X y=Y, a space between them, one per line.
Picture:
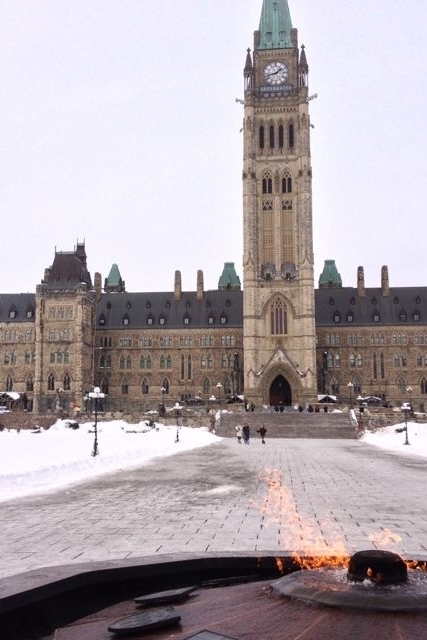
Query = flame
x=313 y=544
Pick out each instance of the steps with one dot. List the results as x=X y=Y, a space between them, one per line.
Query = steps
x=289 y=424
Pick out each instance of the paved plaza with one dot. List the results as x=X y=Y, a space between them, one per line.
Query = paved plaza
x=310 y=496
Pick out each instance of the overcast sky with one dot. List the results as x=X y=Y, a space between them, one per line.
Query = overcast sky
x=119 y=127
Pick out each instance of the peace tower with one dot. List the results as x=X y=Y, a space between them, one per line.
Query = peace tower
x=278 y=269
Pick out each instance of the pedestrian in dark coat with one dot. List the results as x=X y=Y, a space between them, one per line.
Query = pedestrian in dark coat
x=246 y=434
x=262 y=431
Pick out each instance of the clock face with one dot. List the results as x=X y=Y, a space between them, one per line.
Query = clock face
x=276 y=73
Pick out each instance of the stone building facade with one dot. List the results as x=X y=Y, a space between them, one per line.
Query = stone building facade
x=277 y=341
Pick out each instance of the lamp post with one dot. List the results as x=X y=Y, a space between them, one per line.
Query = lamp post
x=406 y=409
x=350 y=388
x=96 y=394
x=219 y=387
x=162 y=408
x=177 y=408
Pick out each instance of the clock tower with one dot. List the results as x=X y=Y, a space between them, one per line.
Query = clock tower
x=279 y=322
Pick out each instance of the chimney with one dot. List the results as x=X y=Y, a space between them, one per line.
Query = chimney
x=97 y=282
x=385 y=285
x=178 y=286
x=200 y=285
x=360 y=282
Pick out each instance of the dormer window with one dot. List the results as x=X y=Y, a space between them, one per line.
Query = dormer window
x=186 y=319
x=102 y=320
x=223 y=319
x=350 y=317
x=376 y=316
x=126 y=320
x=337 y=317
x=150 y=320
x=12 y=313
x=148 y=305
x=211 y=319
x=402 y=316
x=162 y=320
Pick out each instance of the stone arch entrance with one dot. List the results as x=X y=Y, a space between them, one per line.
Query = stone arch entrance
x=280 y=392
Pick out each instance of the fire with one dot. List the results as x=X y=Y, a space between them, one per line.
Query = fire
x=312 y=543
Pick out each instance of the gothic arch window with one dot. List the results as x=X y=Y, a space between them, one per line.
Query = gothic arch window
x=271 y=136
x=122 y=362
x=148 y=363
x=182 y=367
x=374 y=366
x=404 y=360
x=210 y=361
x=29 y=385
x=207 y=386
x=278 y=318
x=104 y=386
x=423 y=386
x=396 y=360
x=337 y=361
x=142 y=362
x=128 y=362
x=401 y=386
x=66 y=383
x=267 y=183
x=419 y=360
x=108 y=361
x=224 y=361
x=287 y=183
x=169 y=362
x=165 y=385
x=287 y=205
x=359 y=360
x=124 y=386
x=162 y=362
x=382 y=366
x=267 y=205
x=145 y=387
x=281 y=137
x=189 y=367
x=51 y=382
x=261 y=137
x=66 y=357
x=330 y=361
x=291 y=136
x=9 y=383
x=335 y=386
x=357 y=385
x=352 y=360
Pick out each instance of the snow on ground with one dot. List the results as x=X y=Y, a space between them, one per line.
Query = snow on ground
x=35 y=462
x=394 y=437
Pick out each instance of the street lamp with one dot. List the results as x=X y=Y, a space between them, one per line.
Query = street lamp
x=219 y=387
x=96 y=394
x=350 y=388
x=163 y=409
x=405 y=409
x=409 y=390
x=177 y=408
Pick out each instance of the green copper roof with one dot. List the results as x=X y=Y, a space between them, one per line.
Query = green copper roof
x=229 y=278
x=114 y=278
x=330 y=276
x=275 y=26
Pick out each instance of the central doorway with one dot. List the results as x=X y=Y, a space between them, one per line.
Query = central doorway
x=280 y=392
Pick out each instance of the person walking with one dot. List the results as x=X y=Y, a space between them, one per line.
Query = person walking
x=239 y=433
x=262 y=431
x=246 y=434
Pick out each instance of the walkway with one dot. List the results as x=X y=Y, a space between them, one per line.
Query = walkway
x=313 y=496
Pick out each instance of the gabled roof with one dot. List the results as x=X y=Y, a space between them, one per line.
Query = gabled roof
x=340 y=307
x=22 y=305
x=161 y=310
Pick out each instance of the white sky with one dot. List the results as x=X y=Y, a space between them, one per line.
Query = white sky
x=119 y=126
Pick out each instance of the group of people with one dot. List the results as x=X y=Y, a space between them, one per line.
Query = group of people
x=244 y=433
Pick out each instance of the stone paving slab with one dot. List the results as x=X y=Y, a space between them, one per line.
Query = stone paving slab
x=314 y=496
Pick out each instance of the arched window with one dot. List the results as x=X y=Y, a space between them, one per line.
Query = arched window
x=261 y=137
x=169 y=362
x=101 y=361
x=337 y=361
x=287 y=183
x=374 y=366
x=335 y=386
x=291 y=136
x=128 y=362
x=281 y=136
x=30 y=383
x=401 y=386
x=66 y=383
x=162 y=362
x=224 y=361
x=66 y=357
x=108 y=362
x=278 y=318
x=142 y=362
x=210 y=361
x=359 y=360
x=165 y=385
x=189 y=368
x=182 y=367
x=122 y=362
x=382 y=366
x=145 y=387
x=271 y=136
x=51 y=382
x=9 y=383
x=267 y=183
x=125 y=386
x=148 y=363
x=207 y=386
x=423 y=386
x=104 y=386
